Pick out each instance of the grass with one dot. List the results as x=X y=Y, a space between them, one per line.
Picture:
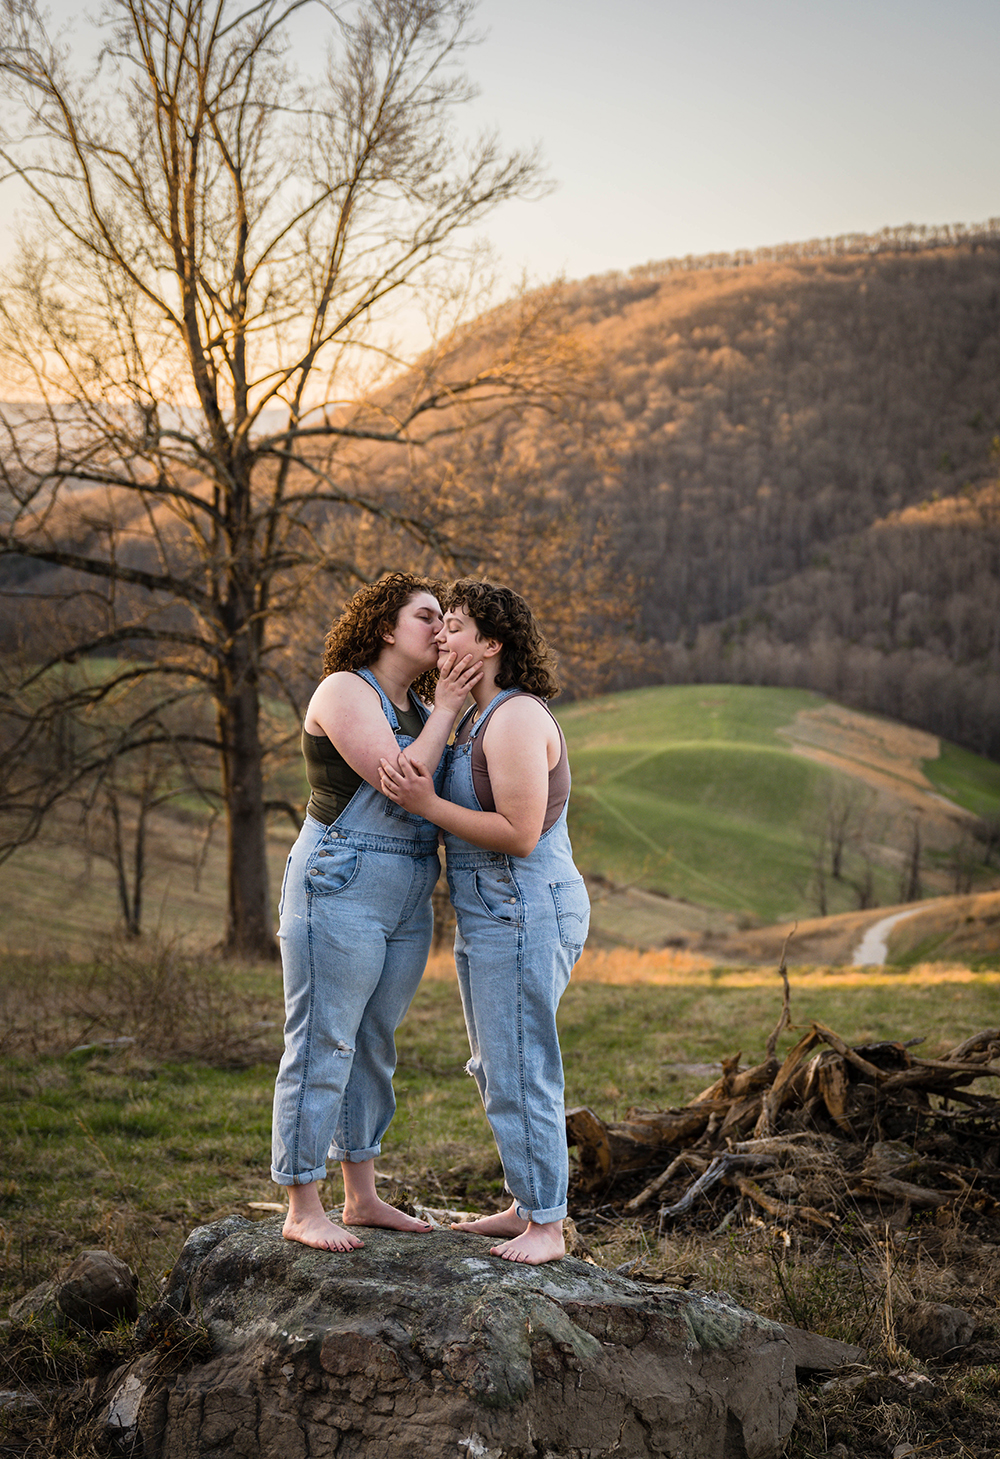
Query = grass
x=696 y=792
x=135 y=1095
x=967 y=779
x=689 y=790
x=58 y=895
x=129 y=1145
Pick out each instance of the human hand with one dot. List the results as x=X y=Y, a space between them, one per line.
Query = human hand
x=408 y=783
x=455 y=680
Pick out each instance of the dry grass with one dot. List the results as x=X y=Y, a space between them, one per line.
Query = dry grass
x=128 y=1146
x=167 y=1003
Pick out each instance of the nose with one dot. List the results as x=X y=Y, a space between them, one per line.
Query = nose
x=440 y=636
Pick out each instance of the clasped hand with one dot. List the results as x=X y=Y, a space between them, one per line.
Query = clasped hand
x=408 y=783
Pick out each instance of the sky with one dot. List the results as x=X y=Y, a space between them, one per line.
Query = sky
x=691 y=126
x=696 y=126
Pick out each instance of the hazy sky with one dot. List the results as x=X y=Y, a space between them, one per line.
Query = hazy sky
x=689 y=126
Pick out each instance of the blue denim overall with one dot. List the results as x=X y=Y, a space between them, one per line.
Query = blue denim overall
x=355 y=929
x=522 y=923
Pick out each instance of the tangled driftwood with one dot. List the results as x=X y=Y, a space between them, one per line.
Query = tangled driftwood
x=829 y=1127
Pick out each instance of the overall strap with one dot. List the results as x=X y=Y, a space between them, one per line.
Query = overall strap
x=494 y=703
x=388 y=708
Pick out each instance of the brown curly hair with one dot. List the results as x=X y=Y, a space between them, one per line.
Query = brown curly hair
x=526 y=661
x=357 y=637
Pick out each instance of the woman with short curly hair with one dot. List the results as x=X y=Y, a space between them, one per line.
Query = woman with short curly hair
x=355 y=911
x=520 y=903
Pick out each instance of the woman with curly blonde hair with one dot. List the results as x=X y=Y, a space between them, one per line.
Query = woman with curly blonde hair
x=520 y=903
x=355 y=913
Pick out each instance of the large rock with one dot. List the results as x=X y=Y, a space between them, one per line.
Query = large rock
x=95 y=1291
x=931 y=1329
x=426 y=1347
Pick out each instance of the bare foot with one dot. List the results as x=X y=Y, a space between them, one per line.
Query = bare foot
x=504 y=1223
x=373 y=1211
x=320 y=1231
x=537 y=1244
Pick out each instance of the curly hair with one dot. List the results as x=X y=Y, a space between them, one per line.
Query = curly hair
x=358 y=636
x=526 y=661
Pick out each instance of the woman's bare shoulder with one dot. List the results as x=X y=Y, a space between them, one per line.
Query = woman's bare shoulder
x=523 y=707
x=340 y=691
x=521 y=716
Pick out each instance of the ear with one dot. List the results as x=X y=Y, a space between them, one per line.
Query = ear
x=491 y=648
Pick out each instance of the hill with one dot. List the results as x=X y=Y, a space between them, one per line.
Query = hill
x=762 y=805
x=702 y=817
x=788 y=469
x=769 y=469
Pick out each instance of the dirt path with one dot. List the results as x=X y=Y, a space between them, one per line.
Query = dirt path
x=873 y=949
x=889 y=758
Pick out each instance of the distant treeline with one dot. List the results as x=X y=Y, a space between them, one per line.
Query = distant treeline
x=908 y=238
x=772 y=467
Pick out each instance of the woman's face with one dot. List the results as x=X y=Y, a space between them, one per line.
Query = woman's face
x=459 y=635
x=417 y=629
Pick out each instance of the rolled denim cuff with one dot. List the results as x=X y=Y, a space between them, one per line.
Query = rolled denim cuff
x=355 y=1157
x=307 y=1177
x=554 y=1213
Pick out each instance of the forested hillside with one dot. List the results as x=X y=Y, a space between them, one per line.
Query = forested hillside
x=794 y=465
x=767 y=469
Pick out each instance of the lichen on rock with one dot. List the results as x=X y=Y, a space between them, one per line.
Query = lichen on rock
x=427 y=1346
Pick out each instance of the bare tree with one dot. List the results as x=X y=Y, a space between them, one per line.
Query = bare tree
x=844 y=806
x=212 y=247
x=112 y=751
x=910 y=882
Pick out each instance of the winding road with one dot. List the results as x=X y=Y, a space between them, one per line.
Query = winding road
x=873 y=948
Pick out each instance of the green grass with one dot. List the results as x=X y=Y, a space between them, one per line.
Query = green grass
x=718 y=824
x=679 y=712
x=130 y=1148
x=967 y=779
x=688 y=790
x=691 y=791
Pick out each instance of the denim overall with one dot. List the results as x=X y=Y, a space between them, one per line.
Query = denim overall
x=355 y=929
x=522 y=923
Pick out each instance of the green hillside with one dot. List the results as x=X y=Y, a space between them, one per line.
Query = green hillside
x=696 y=792
x=702 y=808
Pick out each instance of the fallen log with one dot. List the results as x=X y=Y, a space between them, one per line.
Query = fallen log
x=610 y=1150
x=902 y=1190
x=779 y=1090
x=812 y=1113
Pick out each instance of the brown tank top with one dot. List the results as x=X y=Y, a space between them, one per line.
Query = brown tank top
x=558 y=776
x=332 y=782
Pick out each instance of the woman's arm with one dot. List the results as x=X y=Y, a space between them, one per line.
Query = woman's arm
x=349 y=712
x=521 y=743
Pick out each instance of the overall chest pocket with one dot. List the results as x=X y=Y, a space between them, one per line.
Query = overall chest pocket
x=331 y=869
x=396 y=812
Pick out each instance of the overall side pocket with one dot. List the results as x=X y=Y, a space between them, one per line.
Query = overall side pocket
x=332 y=869
x=499 y=894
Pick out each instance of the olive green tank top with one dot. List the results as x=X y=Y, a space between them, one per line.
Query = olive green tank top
x=332 y=782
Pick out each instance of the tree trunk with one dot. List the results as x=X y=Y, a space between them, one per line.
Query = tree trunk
x=249 y=930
